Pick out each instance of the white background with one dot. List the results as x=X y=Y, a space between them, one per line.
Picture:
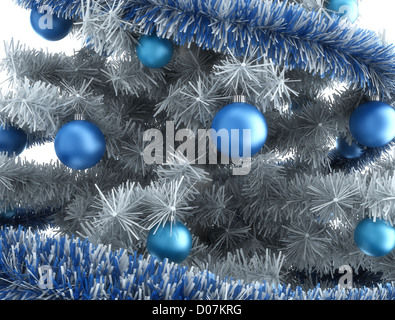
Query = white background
x=375 y=15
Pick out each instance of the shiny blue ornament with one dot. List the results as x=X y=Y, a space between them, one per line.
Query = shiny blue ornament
x=239 y=116
x=374 y=238
x=372 y=124
x=154 y=52
x=174 y=244
x=50 y=26
x=344 y=8
x=348 y=151
x=12 y=140
x=80 y=144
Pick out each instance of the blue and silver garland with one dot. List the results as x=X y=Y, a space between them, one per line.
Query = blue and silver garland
x=78 y=270
x=285 y=32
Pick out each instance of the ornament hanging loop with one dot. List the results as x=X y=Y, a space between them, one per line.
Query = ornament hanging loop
x=79 y=116
x=239 y=98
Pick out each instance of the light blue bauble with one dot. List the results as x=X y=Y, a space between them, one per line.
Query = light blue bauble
x=174 y=245
x=348 y=151
x=344 y=8
x=372 y=124
x=374 y=238
x=50 y=26
x=80 y=144
x=239 y=116
x=154 y=52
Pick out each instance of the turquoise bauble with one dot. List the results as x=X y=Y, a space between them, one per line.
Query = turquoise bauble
x=171 y=241
x=374 y=238
x=154 y=52
x=344 y=8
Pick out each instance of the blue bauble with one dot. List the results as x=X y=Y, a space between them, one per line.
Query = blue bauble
x=348 y=151
x=372 y=124
x=174 y=246
x=374 y=238
x=80 y=144
x=12 y=140
x=8 y=214
x=154 y=52
x=239 y=116
x=50 y=26
x=346 y=8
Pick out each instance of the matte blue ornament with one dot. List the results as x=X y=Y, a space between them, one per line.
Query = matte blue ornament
x=80 y=144
x=348 y=151
x=374 y=238
x=12 y=140
x=50 y=26
x=154 y=52
x=9 y=213
x=372 y=124
x=344 y=8
x=174 y=245
x=240 y=116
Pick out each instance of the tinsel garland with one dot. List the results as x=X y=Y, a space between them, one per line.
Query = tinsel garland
x=286 y=33
x=83 y=271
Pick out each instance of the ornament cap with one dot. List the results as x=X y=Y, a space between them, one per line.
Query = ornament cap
x=79 y=116
x=375 y=97
x=239 y=98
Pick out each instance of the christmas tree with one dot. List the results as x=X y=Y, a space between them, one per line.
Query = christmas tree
x=200 y=155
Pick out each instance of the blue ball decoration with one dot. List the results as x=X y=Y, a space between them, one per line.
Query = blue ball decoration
x=154 y=52
x=349 y=151
x=8 y=214
x=375 y=239
x=239 y=116
x=344 y=8
x=50 y=26
x=80 y=144
x=174 y=245
x=372 y=124
x=12 y=140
